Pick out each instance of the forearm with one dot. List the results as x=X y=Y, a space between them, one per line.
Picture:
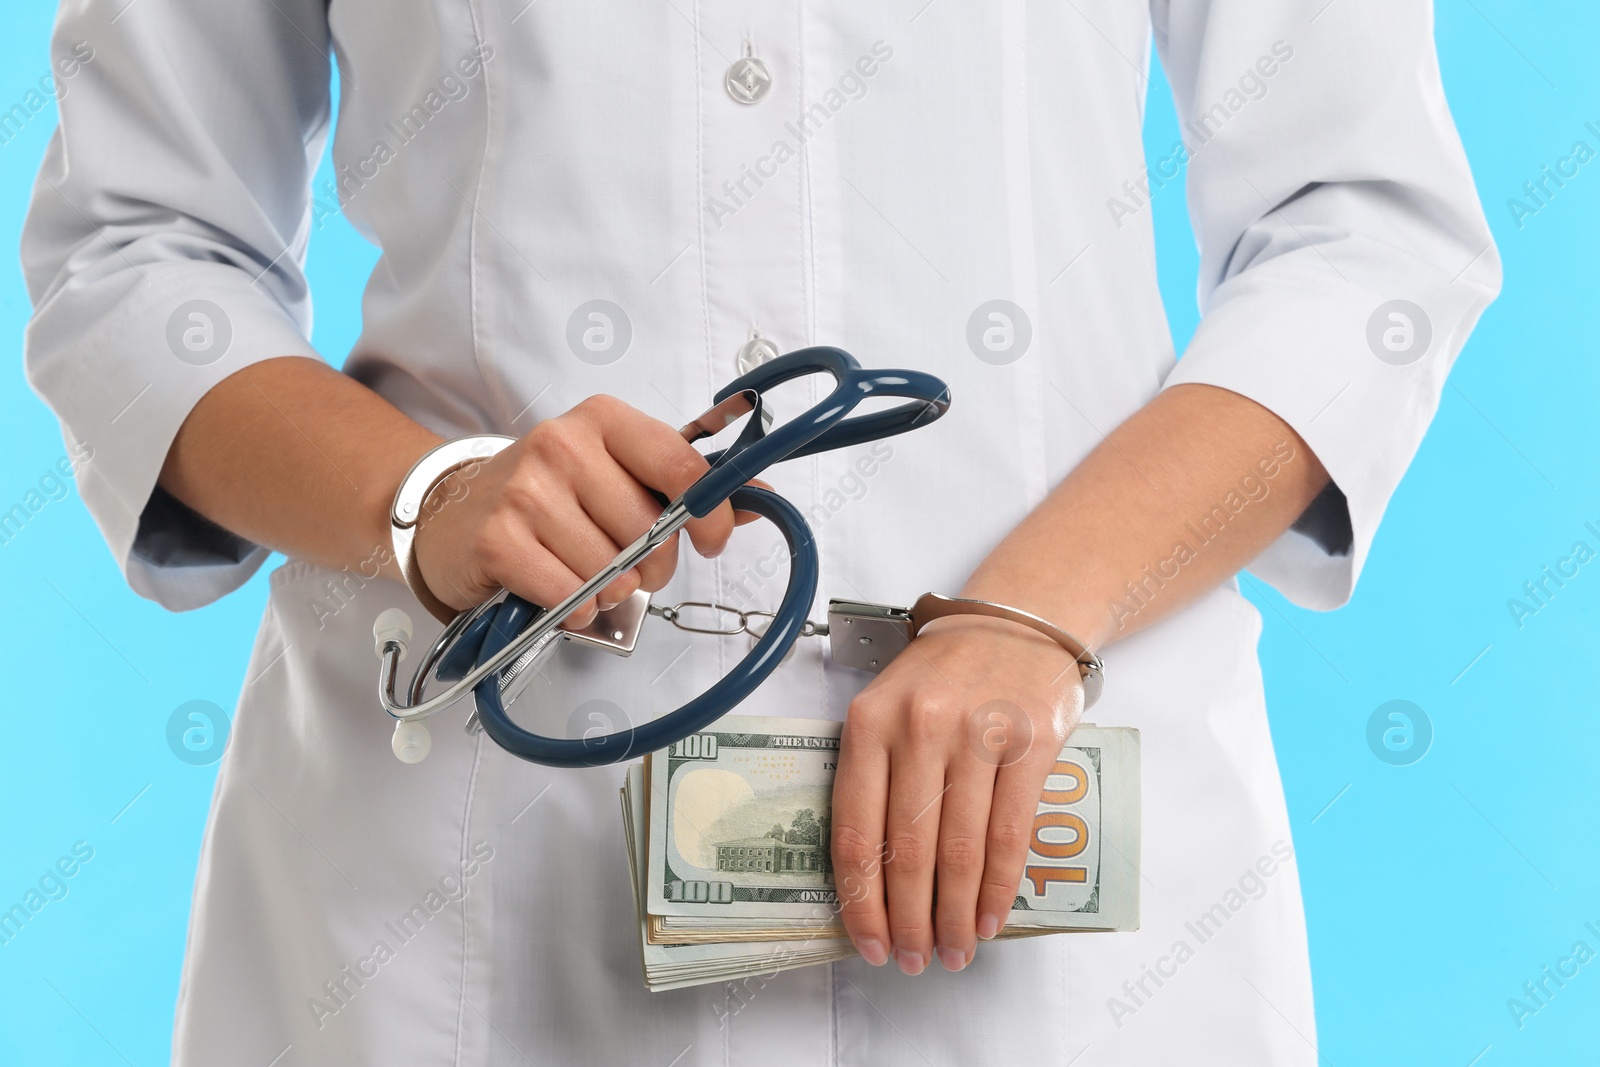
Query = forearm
x=298 y=457
x=1175 y=501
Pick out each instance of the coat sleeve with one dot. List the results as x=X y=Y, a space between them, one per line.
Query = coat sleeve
x=1344 y=254
x=163 y=249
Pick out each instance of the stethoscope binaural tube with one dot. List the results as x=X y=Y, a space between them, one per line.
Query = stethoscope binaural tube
x=513 y=614
x=826 y=426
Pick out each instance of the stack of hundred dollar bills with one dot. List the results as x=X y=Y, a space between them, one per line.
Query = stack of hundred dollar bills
x=728 y=831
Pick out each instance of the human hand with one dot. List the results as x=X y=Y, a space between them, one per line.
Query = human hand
x=551 y=510
x=942 y=761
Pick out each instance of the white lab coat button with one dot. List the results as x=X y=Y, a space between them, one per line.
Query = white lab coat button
x=754 y=352
x=748 y=79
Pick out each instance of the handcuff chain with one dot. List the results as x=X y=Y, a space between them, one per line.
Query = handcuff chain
x=674 y=613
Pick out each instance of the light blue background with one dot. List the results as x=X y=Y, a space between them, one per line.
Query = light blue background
x=1433 y=891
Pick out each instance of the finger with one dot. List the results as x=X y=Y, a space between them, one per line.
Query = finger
x=655 y=570
x=1017 y=789
x=621 y=507
x=531 y=571
x=860 y=800
x=917 y=785
x=568 y=533
x=617 y=502
x=620 y=589
x=710 y=534
x=963 y=839
x=657 y=455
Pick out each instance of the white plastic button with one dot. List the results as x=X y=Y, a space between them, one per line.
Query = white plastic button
x=748 y=79
x=756 y=351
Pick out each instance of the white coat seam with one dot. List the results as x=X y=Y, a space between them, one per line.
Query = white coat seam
x=705 y=313
x=808 y=290
x=1066 y=990
x=474 y=290
x=1041 y=456
x=705 y=283
x=833 y=1014
x=700 y=187
x=808 y=251
x=466 y=926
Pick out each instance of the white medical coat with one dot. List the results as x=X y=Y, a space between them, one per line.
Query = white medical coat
x=909 y=164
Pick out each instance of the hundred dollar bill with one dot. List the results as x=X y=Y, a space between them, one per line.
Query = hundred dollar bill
x=675 y=966
x=739 y=819
x=1082 y=870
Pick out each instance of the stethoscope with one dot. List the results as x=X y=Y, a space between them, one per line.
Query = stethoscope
x=491 y=649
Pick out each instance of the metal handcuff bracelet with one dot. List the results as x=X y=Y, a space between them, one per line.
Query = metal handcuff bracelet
x=491 y=650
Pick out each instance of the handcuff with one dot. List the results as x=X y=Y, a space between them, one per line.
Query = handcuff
x=491 y=650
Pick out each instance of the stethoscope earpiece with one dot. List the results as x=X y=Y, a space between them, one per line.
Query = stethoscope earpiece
x=411 y=742
x=392 y=626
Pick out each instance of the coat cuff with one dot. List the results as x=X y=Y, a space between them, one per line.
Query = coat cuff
x=123 y=387
x=1283 y=336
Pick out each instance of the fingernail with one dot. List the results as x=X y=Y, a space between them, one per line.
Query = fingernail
x=910 y=962
x=988 y=926
x=607 y=606
x=872 y=951
x=952 y=959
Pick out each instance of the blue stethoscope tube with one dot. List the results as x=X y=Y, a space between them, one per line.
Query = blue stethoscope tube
x=825 y=426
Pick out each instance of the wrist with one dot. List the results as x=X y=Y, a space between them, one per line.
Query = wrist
x=1075 y=614
x=1012 y=636
x=437 y=479
x=1084 y=663
x=378 y=505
